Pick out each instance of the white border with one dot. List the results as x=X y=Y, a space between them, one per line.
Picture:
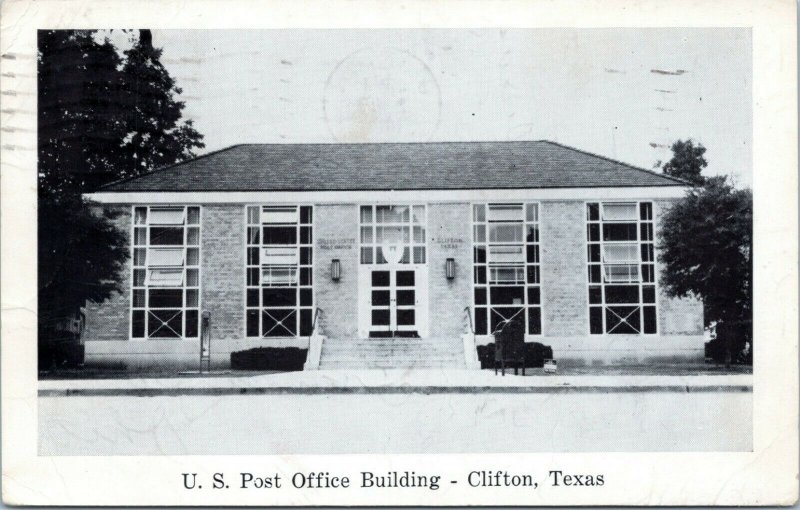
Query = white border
x=768 y=475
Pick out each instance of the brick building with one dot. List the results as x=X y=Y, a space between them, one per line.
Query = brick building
x=366 y=252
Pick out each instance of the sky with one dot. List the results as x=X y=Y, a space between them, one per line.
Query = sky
x=622 y=93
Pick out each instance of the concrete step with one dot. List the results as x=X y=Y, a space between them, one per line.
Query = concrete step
x=360 y=353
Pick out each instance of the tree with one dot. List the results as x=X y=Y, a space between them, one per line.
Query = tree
x=706 y=251
x=99 y=121
x=687 y=162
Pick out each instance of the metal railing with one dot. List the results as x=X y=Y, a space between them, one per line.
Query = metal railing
x=468 y=339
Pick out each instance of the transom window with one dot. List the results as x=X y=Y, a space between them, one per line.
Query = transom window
x=165 y=295
x=280 y=297
x=394 y=224
x=506 y=266
x=621 y=260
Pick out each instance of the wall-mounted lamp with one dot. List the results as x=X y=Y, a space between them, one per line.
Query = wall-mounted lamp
x=336 y=270
x=450 y=268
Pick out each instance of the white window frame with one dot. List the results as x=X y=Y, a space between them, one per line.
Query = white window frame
x=146 y=269
x=298 y=310
x=524 y=265
x=411 y=224
x=637 y=280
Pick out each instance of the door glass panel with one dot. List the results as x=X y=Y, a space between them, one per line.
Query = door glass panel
x=405 y=317
x=380 y=298
x=380 y=317
x=380 y=278
x=405 y=278
x=405 y=298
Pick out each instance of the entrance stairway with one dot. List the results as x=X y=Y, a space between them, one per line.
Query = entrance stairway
x=378 y=353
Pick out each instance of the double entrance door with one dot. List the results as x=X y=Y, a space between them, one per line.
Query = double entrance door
x=393 y=301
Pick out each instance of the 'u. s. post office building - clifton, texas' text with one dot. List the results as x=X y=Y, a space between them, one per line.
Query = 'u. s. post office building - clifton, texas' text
x=346 y=249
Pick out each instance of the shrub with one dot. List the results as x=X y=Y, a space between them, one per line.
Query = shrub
x=288 y=359
x=535 y=354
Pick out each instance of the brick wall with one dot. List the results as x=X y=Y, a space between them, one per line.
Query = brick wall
x=562 y=247
x=109 y=320
x=449 y=236
x=223 y=269
x=336 y=237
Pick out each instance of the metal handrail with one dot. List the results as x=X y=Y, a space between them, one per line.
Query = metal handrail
x=468 y=314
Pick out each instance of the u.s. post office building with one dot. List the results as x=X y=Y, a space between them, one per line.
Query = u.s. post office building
x=338 y=248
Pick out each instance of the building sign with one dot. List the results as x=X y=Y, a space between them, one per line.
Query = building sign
x=336 y=243
x=450 y=243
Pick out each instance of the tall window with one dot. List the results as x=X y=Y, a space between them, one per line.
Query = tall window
x=280 y=295
x=621 y=258
x=396 y=224
x=166 y=272
x=506 y=266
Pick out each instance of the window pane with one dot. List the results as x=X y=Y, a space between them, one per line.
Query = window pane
x=253 y=256
x=278 y=322
x=253 y=215
x=193 y=236
x=419 y=255
x=140 y=236
x=619 y=231
x=627 y=252
x=305 y=255
x=593 y=232
x=594 y=274
x=507 y=275
x=619 y=212
x=419 y=235
x=166 y=257
x=273 y=215
x=622 y=294
x=366 y=256
x=505 y=212
x=480 y=274
x=646 y=211
x=366 y=214
x=253 y=236
x=306 y=322
x=532 y=254
x=191 y=324
x=480 y=295
x=531 y=212
x=305 y=276
x=279 y=256
x=252 y=297
x=621 y=273
x=279 y=276
x=592 y=212
x=192 y=298
x=595 y=320
x=137 y=326
x=392 y=214
x=279 y=297
x=252 y=323
x=533 y=274
x=647 y=253
x=595 y=295
x=305 y=215
x=366 y=235
x=140 y=216
x=305 y=235
x=280 y=235
x=166 y=236
x=647 y=231
x=165 y=298
x=534 y=296
x=506 y=255
x=480 y=321
x=506 y=295
x=138 y=298
x=504 y=233
x=138 y=277
x=252 y=276
x=648 y=294
x=192 y=278
x=534 y=321
x=649 y=319
x=306 y=297
x=164 y=323
x=165 y=277
x=480 y=254
x=419 y=214
x=594 y=253
x=532 y=234
x=480 y=233
x=193 y=216
x=139 y=256
x=479 y=212
x=166 y=216
x=622 y=319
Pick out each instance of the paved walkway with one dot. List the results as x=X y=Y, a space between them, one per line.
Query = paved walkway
x=395 y=381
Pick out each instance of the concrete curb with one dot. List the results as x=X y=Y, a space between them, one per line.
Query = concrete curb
x=389 y=390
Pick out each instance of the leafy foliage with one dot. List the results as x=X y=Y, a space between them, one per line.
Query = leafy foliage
x=688 y=161
x=101 y=118
x=706 y=250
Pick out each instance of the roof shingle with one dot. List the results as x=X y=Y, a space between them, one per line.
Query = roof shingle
x=393 y=166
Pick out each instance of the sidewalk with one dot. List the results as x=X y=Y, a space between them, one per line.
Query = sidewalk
x=394 y=382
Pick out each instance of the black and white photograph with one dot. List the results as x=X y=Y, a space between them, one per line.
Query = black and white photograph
x=387 y=241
